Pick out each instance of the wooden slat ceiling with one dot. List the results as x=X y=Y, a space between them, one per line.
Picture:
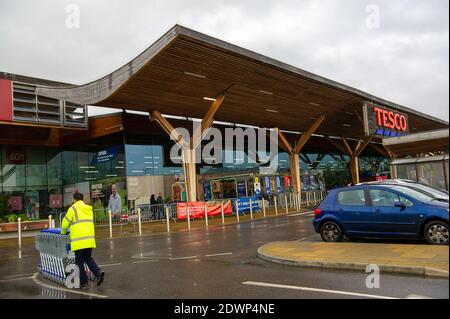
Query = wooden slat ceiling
x=157 y=80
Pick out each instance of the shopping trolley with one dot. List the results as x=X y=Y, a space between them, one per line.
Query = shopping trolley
x=56 y=256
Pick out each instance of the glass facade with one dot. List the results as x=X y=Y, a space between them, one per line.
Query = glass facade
x=41 y=181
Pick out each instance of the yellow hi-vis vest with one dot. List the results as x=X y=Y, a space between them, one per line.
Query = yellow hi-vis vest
x=80 y=219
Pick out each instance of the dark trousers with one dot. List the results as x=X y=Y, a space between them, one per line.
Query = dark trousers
x=83 y=256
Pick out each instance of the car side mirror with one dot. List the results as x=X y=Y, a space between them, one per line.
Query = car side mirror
x=400 y=205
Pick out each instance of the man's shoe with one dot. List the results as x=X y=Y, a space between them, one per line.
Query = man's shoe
x=100 y=278
x=84 y=286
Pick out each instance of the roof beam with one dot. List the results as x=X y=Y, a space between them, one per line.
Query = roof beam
x=362 y=145
x=167 y=127
x=337 y=145
x=305 y=136
x=284 y=143
x=348 y=149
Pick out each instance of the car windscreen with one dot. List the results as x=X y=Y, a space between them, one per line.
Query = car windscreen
x=416 y=194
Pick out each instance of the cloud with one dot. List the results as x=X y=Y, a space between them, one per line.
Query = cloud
x=406 y=60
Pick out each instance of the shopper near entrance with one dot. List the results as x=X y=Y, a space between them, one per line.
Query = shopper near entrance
x=115 y=202
x=80 y=220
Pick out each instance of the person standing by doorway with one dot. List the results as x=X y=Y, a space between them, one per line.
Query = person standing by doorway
x=115 y=202
x=80 y=220
x=160 y=203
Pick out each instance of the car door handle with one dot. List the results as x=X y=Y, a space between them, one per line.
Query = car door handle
x=340 y=210
x=377 y=211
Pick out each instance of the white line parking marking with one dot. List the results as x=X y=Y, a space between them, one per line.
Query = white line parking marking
x=221 y=254
x=302 y=214
x=181 y=258
x=38 y=282
x=16 y=279
x=144 y=261
x=107 y=265
x=417 y=297
x=336 y=292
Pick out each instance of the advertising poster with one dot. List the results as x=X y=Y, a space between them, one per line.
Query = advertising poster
x=242 y=189
x=32 y=204
x=278 y=181
x=207 y=190
x=257 y=187
x=110 y=193
x=312 y=179
x=287 y=183
x=197 y=209
x=15 y=202
x=305 y=182
x=243 y=204
x=106 y=155
x=55 y=201
x=267 y=184
x=69 y=190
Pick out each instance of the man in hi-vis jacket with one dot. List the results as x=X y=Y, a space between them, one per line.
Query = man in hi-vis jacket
x=80 y=219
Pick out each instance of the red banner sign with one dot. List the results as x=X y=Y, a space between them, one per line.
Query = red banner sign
x=55 y=201
x=5 y=100
x=197 y=209
x=16 y=155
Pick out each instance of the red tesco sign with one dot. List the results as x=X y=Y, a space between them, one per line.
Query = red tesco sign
x=390 y=119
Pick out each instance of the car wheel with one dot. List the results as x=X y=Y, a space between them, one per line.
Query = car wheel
x=436 y=233
x=331 y=232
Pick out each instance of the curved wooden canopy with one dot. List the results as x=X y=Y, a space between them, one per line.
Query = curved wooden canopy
x=182 y=67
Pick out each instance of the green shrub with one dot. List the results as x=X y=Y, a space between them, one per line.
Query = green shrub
x=5 y=209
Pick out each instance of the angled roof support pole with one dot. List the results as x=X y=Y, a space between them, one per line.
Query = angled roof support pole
x=294 y=152
x=306 y=135
x=187 y=155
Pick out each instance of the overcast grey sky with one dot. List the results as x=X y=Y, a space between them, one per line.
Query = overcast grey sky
x=404 y=57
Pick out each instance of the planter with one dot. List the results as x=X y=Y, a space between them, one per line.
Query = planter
x=31 y=225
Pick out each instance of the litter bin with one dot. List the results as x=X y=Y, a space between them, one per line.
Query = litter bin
x=55 y=255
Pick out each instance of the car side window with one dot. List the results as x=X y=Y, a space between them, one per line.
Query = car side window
x=382 y=198
x=353 y=197
x=406 y=201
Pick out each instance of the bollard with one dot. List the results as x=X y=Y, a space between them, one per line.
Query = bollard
x=314 y=197
x=237 y=211
x=275 y=203
x=19 y=231
x=291 y=204
x=286 y=204
x=53 y=223
x=299 y=200
x=222 y=212
x=139 y=221
x=167 y=219
x=264 y=207
x=188 y=217
x=251 y=209
x=206 y=215
x=110 y=223
x=307 y=199
x=50 y=221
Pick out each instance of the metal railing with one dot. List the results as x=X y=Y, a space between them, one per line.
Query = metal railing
x=282 y=203
x=152 y=213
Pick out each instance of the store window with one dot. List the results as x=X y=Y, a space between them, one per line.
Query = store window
x=407 y=171
x=431 y=173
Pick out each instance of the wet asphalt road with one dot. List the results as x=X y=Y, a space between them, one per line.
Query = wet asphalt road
x=215 y=263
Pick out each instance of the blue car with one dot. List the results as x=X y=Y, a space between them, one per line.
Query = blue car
x=382 y=211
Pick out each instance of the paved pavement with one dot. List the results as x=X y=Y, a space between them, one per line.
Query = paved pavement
x=218 y=262
x=397 y=258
